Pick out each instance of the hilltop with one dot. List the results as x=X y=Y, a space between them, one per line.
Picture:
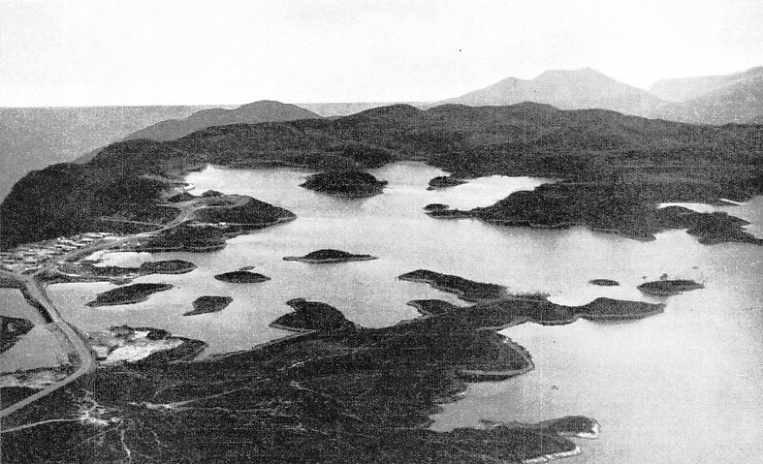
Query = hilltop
x=734 y=98
x=722 y=99
x=688 y=88
x=679 y=162
x=576 y=89
x=33 y=138
x=252 y=113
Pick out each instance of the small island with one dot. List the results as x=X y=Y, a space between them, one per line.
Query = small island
x=129 y=294
x=348 y=184
x=242 y=277
x=436 y=207
x=669 y=287
x=442 y=182
x=329 y=256
x=604 y=282
x=209 y=304
x=403 y=372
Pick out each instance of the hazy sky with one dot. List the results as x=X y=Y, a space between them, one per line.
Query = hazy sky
x=173 y=52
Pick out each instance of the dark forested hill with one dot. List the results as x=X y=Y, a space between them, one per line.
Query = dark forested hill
x=523 y=139
x=32 y=138
x=252 y=113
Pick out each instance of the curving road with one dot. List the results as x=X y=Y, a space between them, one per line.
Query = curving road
x=80 y=356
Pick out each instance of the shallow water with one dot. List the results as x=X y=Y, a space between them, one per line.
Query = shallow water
x=682 y=387
x=37 y=348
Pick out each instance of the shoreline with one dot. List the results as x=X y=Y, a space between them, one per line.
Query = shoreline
x=328 y=260
x=459 y=293
x=553 y=456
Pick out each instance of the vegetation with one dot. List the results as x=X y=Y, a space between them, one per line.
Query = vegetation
x=352 y=184
x=11 y=329
x=604 y=282
x=621 y=165
x=329 y=256
x=442 y=182
x=432 y=307
x=174 y=266
x=129 y=294
x=312 y=315
x=436 y=207
x=209 y=304
x=36 y=209
x=625 y=208
x=185 y=237
x=669 y=287
x=243 y=211
x=242 y=277
x=345 y=393
x=467 y=290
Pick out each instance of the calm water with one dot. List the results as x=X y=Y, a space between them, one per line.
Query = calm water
x=39 y=347
x=681 y=387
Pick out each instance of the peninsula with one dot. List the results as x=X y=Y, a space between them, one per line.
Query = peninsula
x=613 y=169
x=467 y=290
x=347 y=392
x=628 y=210
x=144 y=346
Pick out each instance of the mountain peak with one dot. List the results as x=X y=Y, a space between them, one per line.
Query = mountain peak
x=582 y=88
x=570 y=73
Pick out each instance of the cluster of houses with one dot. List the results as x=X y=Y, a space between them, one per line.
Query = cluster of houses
x=31 y=258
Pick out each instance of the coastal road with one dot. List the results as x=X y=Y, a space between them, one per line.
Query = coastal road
x=81 y=355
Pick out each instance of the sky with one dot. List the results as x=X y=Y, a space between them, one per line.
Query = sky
x=134 y=52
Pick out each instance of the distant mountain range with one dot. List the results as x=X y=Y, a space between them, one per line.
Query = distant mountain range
x=677 y=162
x=689 y=88
x=32 y=138
x=569 y=90
x=253 y=113
x=734 y=98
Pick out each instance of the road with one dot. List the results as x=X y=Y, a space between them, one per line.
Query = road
x=80 y=355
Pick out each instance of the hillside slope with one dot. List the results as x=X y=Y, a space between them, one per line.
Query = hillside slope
x=688 y=88
x=252 y=113
x=578 y=89
x=32 y=138
x=676 y=162
x=736 y=98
